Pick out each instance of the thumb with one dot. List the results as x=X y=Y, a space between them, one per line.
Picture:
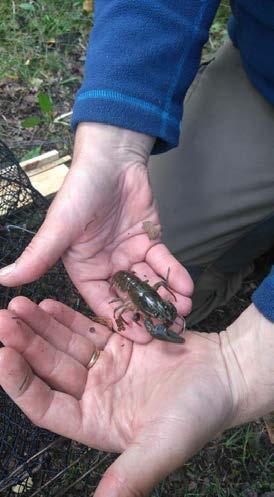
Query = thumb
x=46 y=247
x=137 y=471
x=161 y=448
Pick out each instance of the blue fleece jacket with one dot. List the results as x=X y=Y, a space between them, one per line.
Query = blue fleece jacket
x=143 y=56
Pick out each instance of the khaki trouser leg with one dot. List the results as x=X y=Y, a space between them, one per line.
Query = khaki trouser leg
x=217 y=186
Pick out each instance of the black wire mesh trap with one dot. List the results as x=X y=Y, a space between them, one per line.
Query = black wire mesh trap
x=35 y=462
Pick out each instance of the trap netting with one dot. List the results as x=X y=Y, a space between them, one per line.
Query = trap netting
x=34 y=461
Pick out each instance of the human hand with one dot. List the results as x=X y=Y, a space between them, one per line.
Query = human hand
x=155 y=403
x=96 y=223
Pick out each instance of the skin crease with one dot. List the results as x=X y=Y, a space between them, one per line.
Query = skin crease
x=156 y=403
x=104 y=201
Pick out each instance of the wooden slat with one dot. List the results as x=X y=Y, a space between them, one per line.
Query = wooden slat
x=46 y=172
x=46 y=167
x=40 y=160
x=50 y=181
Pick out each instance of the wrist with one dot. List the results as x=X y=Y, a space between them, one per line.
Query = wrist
x=110 y=144
x=248 y=350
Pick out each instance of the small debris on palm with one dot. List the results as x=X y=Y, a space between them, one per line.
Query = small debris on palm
x=153 y=230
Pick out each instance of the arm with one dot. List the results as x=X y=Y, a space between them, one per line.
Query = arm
x=141 y=59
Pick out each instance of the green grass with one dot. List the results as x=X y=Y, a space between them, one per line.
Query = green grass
x=237 y=464
x=218 y=30
x=42 y=51
x=35 y=36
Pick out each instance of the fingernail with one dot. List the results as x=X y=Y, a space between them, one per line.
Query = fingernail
x=6 y=270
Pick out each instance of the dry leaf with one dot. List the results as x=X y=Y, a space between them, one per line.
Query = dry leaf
x=153 y=230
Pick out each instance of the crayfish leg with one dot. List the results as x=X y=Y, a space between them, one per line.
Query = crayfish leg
x=126 y=306
x=116 y=299
x=136 y=318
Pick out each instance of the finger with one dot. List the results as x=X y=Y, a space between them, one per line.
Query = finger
x=46 y=247
x=42 y=405
x=112 y=364
x=56 y=368
x=122 y=479
x=35 y=260
x=77 y=322
x=162 y=446
x=160 y=259
x=59 y=335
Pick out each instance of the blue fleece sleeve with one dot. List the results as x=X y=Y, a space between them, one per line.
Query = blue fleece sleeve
x=141 y=59
x=263 y=297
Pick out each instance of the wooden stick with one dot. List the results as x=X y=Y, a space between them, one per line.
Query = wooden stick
x=45 y=167
x=40 y=160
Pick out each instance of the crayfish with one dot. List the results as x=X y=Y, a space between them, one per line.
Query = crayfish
x=145 y=300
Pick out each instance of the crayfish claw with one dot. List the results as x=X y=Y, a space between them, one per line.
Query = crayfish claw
x=161 y=332
x=171 y=336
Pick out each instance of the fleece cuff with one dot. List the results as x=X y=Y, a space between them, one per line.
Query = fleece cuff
x=110 y=107
x=263 y=297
